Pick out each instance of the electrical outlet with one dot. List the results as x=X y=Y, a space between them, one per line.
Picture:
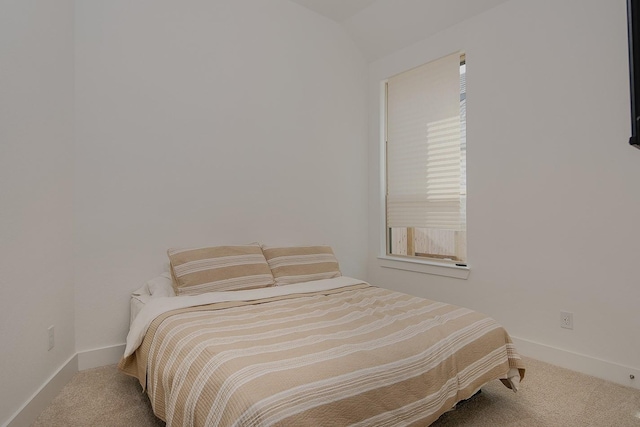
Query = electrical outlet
x=566 y=320
x=52 y=341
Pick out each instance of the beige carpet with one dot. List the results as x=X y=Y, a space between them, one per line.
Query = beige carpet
x=550 y=396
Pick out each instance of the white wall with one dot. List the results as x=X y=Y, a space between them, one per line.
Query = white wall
x=36 y=171
x=204 y=123
x=553 y=202
x=230 y=122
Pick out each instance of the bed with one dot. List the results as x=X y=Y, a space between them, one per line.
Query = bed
x=310 y=349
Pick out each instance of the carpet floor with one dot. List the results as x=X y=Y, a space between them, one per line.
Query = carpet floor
x=549 y=396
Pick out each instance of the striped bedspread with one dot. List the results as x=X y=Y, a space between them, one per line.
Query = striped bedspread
x=353 y=355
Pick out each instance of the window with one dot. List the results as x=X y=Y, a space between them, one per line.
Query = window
x=426 y=161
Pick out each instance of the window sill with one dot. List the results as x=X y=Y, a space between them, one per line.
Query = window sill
x=425 y=267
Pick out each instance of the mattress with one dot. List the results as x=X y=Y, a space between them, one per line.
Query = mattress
x=329 y=352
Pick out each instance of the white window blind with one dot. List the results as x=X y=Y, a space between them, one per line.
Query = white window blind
x=423 y=147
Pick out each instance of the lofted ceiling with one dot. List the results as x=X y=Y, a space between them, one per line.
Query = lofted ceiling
x=380 y=27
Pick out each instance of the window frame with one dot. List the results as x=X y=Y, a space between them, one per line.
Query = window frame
x=423 y=265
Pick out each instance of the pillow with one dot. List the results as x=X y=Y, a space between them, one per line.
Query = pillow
x=161 y=286
x=141 y=291
x=301 y=264
x=221 y=268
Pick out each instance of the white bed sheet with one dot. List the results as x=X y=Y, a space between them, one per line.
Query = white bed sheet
x=136 y=304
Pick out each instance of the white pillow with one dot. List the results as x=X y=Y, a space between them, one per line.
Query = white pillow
x=141 y=291
x=161 y=286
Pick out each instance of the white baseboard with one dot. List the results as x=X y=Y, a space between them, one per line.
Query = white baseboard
x=100 y=357
x=603 y=369
x=27 y=414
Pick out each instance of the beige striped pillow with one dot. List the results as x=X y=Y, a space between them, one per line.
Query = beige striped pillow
x=221 y=268
x=301 y=264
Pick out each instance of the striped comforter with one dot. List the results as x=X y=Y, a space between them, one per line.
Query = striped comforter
x=352 y=355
